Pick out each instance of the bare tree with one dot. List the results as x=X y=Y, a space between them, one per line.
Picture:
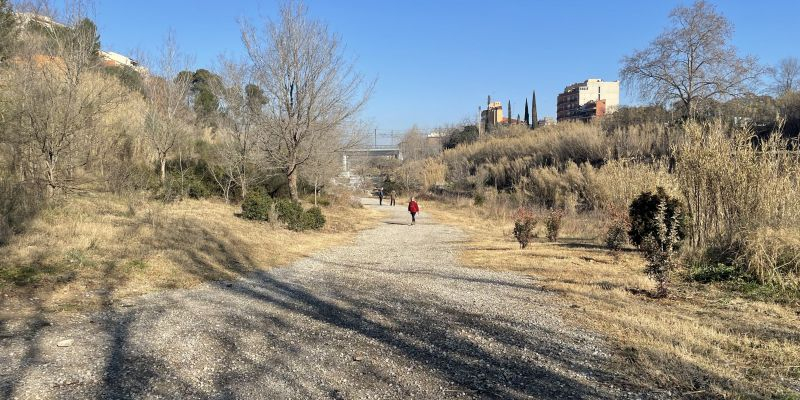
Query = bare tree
x=166 y=92
x=785 y=76
x=58 y=98
x=416 y=145
x=241 y=108
x=310 y=88
x=323 y=167
x=691 y=62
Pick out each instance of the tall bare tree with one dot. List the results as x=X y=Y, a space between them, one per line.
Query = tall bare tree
x=166 y=92
x=310 y=88
x=416 y=145
x=691 y=61
x=241 y=109
x=785 y=76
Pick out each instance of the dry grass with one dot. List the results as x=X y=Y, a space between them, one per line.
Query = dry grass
x=701 y=342
x=95 y=249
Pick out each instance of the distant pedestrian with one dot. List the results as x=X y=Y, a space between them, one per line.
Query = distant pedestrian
x=392 y=196
x=380 y=196
x=413 y=208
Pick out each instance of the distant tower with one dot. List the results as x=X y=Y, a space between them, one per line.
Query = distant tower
x=509 y=111
x=534 y=116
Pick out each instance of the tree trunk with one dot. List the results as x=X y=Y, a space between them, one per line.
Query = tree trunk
x=315 y=191
x=51 y=176
x=163 y=161
x=291 y=176
x=243 y=183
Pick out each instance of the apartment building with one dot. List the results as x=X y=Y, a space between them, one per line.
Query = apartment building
x=587 y=100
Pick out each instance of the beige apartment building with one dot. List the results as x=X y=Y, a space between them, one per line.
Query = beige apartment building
x=587 y=100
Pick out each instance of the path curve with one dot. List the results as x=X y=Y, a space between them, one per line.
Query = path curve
x=391 y=316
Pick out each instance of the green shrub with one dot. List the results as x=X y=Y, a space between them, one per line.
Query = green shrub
x=313 y=219
x=479 y=199
x=290 y=213
x=660 y=246
x=257 y=205
x=719 y=272
x=553 y=224
x=197 y=189
x=524 y=225
x=643 y=211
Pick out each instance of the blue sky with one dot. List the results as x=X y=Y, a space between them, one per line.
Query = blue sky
x=436 y=61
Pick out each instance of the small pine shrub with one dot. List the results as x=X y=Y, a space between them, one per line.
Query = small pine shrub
x=643 y=220
x=660 y=247
x=256 y=206
x=524 y=226
x=553 y=224
x=290 y=213
x=313 y=219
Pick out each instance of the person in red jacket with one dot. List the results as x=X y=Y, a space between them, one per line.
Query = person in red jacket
x=413 y=208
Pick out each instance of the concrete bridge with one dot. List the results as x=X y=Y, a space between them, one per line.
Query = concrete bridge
x=387 y=151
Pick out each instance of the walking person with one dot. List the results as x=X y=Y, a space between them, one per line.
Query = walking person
x=392 y=196
x=413 y=208
x=380 y=196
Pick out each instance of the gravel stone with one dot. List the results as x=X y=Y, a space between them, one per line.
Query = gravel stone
x=391 y=316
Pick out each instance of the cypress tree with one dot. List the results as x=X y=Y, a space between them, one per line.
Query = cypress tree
x=527 y=116
x=509 y=111
x=534 y=116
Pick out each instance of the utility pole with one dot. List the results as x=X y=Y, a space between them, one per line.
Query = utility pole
x=376 y=137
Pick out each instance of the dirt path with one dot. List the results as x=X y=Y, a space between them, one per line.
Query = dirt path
x=392 y=316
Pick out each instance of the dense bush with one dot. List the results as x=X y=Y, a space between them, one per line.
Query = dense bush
x=188 y=178
x=19 y=203
x=467 y=134
x=313 y=218
x=553 y=224
x=257 y=205
x=643 y=213
x=524 y=227
x=292 y=214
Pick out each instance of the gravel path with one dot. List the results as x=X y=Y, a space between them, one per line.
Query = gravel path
x=392 y=316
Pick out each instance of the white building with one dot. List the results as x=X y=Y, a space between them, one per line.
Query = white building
x=117 y=59
x=588 y=99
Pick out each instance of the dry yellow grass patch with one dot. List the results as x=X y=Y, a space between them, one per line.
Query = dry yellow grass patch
x=701 y=342
x=95 y=249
